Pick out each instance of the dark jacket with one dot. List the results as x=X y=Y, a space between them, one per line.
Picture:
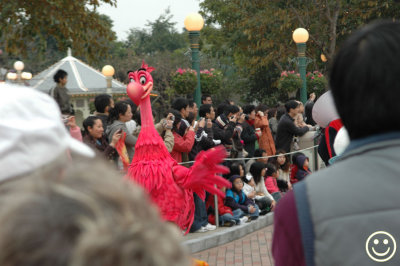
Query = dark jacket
x=61 y=96
x=301 y=171
x=239 y=200
x=249 y=138
x=203 y=141
x=101 y=147
x=286 y=131
x=223 y=129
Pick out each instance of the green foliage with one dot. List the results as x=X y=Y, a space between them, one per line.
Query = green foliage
x=257 y=35
x=159 y=36
x=184 y=81
x=316 y=82
x=290 y=81
x=72 y=23
x=211 y=81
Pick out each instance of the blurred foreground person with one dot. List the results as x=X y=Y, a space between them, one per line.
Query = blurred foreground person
x=32 y=132
x=348 y=214
x=84 y=215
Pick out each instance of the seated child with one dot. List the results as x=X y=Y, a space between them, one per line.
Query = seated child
x=302 y=167
x=225 y=215
x=237 y=200
x=271 y=183
x=263 y=198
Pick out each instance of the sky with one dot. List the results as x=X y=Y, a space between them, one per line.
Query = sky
x=136 y=13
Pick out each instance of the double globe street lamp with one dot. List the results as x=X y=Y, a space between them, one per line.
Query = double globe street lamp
x=20 y=76
x=194 y=22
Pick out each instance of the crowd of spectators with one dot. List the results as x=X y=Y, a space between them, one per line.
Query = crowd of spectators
x=250 y=134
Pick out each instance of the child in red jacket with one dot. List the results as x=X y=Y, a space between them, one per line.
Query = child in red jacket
x=270 y=182
x=225 y=215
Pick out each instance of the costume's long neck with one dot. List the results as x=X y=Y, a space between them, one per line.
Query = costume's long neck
x=146 y=114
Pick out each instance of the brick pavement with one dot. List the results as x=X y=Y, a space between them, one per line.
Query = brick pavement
x=253 y=249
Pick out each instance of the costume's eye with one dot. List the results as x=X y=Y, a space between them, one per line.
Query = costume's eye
x=142 y=80
x=131 y=80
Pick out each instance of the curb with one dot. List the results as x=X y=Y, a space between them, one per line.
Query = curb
x=225 y=235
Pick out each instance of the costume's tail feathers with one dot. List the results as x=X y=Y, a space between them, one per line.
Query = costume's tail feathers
x=203 y=174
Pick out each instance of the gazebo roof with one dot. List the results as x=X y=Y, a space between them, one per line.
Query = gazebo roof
x=82 y=78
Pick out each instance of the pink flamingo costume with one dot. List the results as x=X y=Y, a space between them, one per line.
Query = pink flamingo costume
x=169 y=184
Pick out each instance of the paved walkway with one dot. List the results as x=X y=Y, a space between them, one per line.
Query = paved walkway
x=253 y=249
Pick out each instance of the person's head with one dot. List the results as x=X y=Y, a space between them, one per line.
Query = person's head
x=262 y=108
x=272 y=112
x=193 y=108
x=182 y=106
x=248 y=179
x=103 y=103
x=61 y=77
x=280 y=111
x=257 y=170
x=122 y=111
x=207 y=111
x=93 y=126
x=236 y=168
x=232 y=110
x=206 y=99
x=301 y=107
x=364 y=80
x=292 y=107
x=237 y=183
x=261 y=153
x=250 y=111
x=301 y=160
x=133 y=106
x=272 y=170
x=312 y=96
x=221 y=109
x=177 y=121
x=77 y=218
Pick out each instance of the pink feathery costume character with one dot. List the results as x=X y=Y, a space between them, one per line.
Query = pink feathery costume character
x=169 y=184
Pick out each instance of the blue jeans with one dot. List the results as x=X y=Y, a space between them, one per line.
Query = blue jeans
x=238 y=213
x=200 y=214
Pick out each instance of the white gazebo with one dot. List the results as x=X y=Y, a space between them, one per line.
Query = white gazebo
x=84 y=83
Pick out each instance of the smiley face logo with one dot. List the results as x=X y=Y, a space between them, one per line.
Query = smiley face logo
x=380 y=246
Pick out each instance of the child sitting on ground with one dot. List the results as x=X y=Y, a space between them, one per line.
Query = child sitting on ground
x=237 y=200
x=226 y=217
x=264 y=199
x=302 y=167
x=271 y=183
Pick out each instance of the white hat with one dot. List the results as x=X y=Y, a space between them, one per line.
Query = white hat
x=32 y=133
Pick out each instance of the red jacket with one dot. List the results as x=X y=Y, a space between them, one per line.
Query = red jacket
x=182 y=144
x=222 y=209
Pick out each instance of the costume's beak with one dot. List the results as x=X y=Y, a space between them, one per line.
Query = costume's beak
x=135 y=92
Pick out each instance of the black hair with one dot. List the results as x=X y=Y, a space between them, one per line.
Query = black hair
x=191 y=103
x=180 y=103
x=178 y=118
x=60 y=74
x=271 y=169
x=221 y=109
x=255 y=170
x=101 y=102
x=274 y=160
x=364 y=80
x=233 y=109
x=292 y=104
x=281 y=110
x=190 y=118
x=247 y=109
x=119 y=108
x=204 y=97
x=261 y=107
x=235 y=170
x=204 y=110
x=89 y=122
x=133 y=105
x=272 y=112
x=259 y=152
x=137 y=117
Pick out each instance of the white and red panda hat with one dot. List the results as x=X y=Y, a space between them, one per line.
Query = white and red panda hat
x=32 y=132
